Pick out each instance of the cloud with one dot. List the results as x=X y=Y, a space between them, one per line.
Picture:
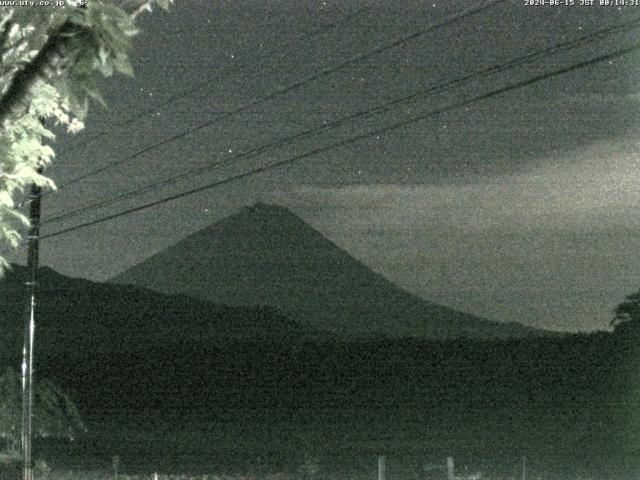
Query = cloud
x=553 y=246
x=598 y=189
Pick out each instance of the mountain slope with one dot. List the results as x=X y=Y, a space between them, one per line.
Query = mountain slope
x=266 y=255
x=74 y=314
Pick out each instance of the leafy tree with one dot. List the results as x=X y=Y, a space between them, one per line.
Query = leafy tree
x=49 y=60
x=627 y=314
x=55 y=414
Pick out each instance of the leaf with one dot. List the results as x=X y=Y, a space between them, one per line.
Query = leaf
x=164 y=4
x=122 y=64
x=88 y=83
x=6 y=200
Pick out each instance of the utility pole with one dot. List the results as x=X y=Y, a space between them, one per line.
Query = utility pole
x=524 y=467
x=29 y=330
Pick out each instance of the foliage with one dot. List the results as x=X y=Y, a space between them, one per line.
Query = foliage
x=627 y=315
x=629 y=310
x=49 y=61
x=55 y=414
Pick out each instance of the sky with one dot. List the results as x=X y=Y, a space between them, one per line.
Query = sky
x=520 y=207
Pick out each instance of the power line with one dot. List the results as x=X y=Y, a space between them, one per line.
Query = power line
x=294 y=86
x=199 y=86
x=352 y=140
x=528 y=58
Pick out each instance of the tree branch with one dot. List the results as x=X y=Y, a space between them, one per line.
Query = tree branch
x=4 y=36
x=24 y=80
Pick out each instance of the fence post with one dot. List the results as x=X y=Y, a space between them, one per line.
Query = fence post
x=450 y=468
x=382 y=467
x=115 y=463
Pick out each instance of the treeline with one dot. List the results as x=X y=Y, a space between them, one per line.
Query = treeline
x=573 y=370
x=571 y=397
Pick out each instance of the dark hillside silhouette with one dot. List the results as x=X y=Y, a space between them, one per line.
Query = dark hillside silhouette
x=78 y=316
x=140 y=363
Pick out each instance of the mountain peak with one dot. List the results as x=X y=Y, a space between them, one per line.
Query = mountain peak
x=260 y=208
x=267 y=255
x=270 y=214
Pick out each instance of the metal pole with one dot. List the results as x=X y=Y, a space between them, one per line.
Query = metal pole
x=524 y=467
x=29 y=331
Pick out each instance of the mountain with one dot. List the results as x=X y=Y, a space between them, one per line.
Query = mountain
x=74 y=313
x=266 y=255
